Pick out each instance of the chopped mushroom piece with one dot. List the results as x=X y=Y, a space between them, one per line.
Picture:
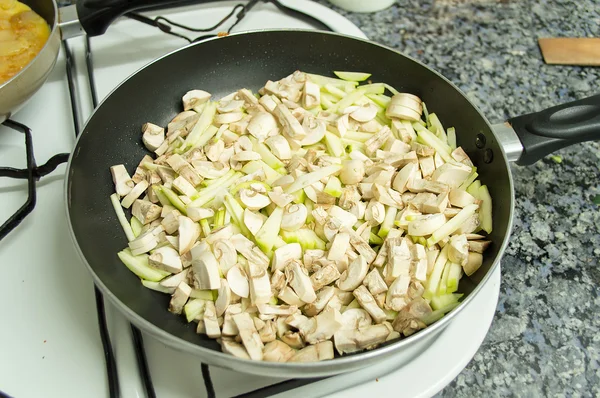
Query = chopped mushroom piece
x=123 y=182
x=326 y=324
x=367 y=301
x=277 y=351
x=325 y=276
x=458 y=250
x=364 y=113
x=460 y=198
x=260 y=285
x=323 y=297
x=189 y=231
x=339 y=246
x=311 y=95
x=211 y=323
x=194 y=98
x=223 y=298
x=294 y=217
x=206 y=269
x=167 y=259
x=351 y=279
x=238 y=281
x=349 y=341
x=479 y=246
x=145 y=211
x=300 y=281
x=374 y=282
x=249 y=335
x=290 y=124
x=254 y=200
x=280 y=198
x=318 y=352
x=281 y=256
x=153 y=136
x=474 y=262
x=179 y=298
x=353 y=172
x=135 y=193
x=396 y=297
x=233 y=348
x=280 y=147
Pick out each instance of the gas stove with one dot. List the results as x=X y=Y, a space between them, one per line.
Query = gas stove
x=60 y=339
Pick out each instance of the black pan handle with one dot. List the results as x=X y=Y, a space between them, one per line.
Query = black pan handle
x=96 y=16
x=544 y=132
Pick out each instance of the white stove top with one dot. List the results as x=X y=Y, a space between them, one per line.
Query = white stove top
x=50 y=343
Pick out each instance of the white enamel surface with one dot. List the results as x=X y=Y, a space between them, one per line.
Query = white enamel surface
x=47 y=295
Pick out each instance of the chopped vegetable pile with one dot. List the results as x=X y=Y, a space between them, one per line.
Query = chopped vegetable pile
x=319 y=213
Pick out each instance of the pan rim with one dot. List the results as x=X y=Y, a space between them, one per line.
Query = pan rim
x=321 y=366
x=53 y=31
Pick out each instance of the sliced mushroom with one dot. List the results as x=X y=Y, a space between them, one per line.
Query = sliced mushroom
x=299 y=280
x=211 y=323
x=123 y=182
x=223 y=299
x=451 y=174
x=479 y=246
x=233 y=348
x=288 y=296
x=179 y=298
x=249 y=335
x=230 y=106
x=238 y=281
x=378 y=139
x=280 y=147
x=396 y=298
x=145 y=211
x=194 y=98
x=311 y=95
x=325 y=276
x=277 y=351
x=364 y=113
x=474 y=262
x=353 y=171
x=294 y=217
x=284 y=254
x=367 y=301
x=374 y=282
x=254 y=200
x=206 y=269
x=436 y=204
x=167 y=259
x=349 y=341
x=339 y=246
x=290 y=124
x=357 y=271
x=326 y=323
x=399 y=259
x=361 y=246
x=375 y=213
x=458 y=250
x=225 y=254
x=314 y=130
x=210 y=169
x=260 y=285
x=189 y=231
x=280 y=198
x=323 y=297
x=171 y=282
x=247 y=249
x=267 y=333
x=153 y=136
x=460 y=155
x=253 y=220
x=135 y=193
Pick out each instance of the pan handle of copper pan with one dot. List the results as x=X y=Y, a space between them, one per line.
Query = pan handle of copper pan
x=528 y=138
x=95 y=16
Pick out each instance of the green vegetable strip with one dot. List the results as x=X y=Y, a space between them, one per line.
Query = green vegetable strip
x=136 y=226
x=265 y=237
x=334 y=91
x=200 y=134
x=437 y=127
x=445 y=300
x=334 y=144
x=174 y=199
x=485 y=212
x=356 y=136
x=452 y=225
x=205 y=227
x=307 y=238
x=114 y=199
x=388 y=221
x=469 y=180
x=391 y=89
x=217 y=181
x=323 y=80
x=139 y=266
x=310 y=178
x=473 y=189
x=453 y=277
x=438 y=314
x=208 y=194
x=452 y=138
x=266 y=155
x=237 y=213
x=443 y=286
x=162 y=198
x=348 y=100
x=434 y=142
x=436 y=275
x=193 y=308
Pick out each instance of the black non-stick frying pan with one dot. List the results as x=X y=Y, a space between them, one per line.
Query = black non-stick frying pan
x=220 y=66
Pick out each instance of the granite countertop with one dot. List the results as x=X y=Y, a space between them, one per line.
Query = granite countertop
x=545 y=337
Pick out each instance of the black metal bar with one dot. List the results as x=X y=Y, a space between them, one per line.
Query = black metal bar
x=142 y=361
x=208 y=384
x=109 y=358
x=16 y=219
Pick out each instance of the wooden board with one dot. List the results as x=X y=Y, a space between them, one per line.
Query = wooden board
x=571 y=51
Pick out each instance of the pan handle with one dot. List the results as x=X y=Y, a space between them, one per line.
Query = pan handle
x=544 y=132
x=95 y=16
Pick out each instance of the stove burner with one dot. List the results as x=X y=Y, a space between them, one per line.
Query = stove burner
x=32 y=174
x=240 y=10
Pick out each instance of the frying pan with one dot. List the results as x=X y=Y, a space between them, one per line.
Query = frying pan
x=91 y=17
x=222 y=65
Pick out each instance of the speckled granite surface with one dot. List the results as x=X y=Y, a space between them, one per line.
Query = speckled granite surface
x=545 y=338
